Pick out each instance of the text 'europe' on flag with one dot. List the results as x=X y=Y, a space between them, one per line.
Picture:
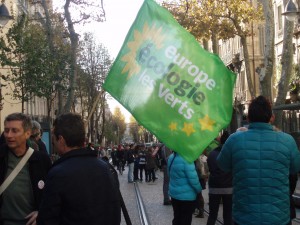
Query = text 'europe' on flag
x=172 y=86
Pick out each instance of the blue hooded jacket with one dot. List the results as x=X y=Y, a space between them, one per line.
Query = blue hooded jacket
x=184 y=182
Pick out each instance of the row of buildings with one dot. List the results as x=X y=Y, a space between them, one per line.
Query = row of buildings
x=230 y=51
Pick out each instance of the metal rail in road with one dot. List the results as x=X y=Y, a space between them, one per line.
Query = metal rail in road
x=141 y=207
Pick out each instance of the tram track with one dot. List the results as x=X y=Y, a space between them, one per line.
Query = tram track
x=143 y=216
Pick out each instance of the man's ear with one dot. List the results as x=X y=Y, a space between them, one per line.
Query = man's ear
x=61 y=139
x=272 y=119
x=28 y=133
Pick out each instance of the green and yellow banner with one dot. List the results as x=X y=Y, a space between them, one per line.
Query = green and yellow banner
x=172 y=86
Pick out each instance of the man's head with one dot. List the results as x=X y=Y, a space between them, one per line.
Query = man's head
x=120 y=147
x=224 y=137
x=127 y=146
x=36 y=130
x=17 y=129
x=68 y=132
x=260 y=110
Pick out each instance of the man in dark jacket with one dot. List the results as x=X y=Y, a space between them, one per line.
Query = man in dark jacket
x=80 y=188
x=20 y=200
x=220 y=187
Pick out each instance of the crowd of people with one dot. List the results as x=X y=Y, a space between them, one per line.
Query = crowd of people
x=252 y=172
x=142 y=161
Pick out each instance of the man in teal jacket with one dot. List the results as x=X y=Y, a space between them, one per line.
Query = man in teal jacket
x=260 y=160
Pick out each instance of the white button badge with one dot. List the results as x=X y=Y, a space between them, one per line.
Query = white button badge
x=41 y=184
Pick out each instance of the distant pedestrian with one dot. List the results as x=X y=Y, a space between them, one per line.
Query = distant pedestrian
x=121 y=159
x=136 y=163
x=114 y=156
x=150 y=165
x=130 y=161
x=260 y=160
x=183 y=188
x=40 y=143
x=142 y=161
x=35 y=132
x=36 y=136
x=80 y=189
x=202 y=171
x=165 y=153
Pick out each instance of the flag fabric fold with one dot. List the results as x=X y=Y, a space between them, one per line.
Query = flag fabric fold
x=172 y=86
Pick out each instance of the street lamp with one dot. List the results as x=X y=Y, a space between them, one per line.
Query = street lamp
x=4 y=15
x=291 y=10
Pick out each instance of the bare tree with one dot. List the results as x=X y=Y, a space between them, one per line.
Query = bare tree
x=84 y=11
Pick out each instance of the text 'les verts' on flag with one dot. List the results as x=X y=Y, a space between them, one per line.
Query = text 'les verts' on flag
x=172 y=86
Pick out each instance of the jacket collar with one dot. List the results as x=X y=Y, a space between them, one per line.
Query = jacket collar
x=76 y=153
x=261 y=126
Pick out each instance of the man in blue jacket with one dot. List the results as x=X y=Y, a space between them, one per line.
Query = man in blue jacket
x=260 y=160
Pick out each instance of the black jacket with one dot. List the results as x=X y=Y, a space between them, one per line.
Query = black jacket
x=39 y=165
x=130 y=156
x=80 y=189
x=217 y=177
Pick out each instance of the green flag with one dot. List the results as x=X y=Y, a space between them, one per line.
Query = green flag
x=170 y=84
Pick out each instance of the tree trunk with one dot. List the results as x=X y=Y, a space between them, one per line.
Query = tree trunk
x=247 y=66
x=92 y=128
x=48 y=27
x=215 y=45
x=103 y=122
x=266 y=73
x=59 y=102
x=74 y=46
x=205 y=44
x=287 y=66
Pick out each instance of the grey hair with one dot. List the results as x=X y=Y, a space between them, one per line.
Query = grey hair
x=26 y=121
x=36 y=125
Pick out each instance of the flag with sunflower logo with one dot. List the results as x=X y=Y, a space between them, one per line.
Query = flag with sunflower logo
x=172 y=86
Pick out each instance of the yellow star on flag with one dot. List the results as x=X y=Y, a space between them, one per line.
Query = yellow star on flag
x=173 y=126
x=188 y=128
x=207 y=123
